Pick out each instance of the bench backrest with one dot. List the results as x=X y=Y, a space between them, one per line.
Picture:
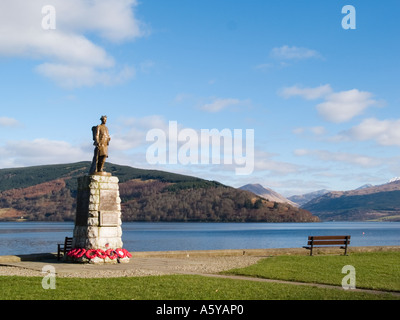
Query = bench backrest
x=68 y=243
x=328 y=240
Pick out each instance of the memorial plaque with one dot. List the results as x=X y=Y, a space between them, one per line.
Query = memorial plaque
x=108 y=219
x=108 y=200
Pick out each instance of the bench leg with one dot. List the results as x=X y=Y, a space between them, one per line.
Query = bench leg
x=311 y=250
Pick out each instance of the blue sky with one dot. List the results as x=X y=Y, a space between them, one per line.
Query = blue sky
x=323 y=101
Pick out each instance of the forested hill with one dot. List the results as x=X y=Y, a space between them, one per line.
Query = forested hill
x=48 y=193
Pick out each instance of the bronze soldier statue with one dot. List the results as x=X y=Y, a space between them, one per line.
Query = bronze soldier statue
x=101 y=139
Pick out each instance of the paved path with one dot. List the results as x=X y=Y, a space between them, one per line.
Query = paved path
x=143 y=266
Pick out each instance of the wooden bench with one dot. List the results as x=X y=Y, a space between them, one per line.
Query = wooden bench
x=64 y=247
x=327 y=241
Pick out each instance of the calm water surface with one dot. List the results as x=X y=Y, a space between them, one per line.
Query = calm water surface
x=39 y=237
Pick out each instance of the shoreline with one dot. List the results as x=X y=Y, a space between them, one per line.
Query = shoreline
x=211 y=253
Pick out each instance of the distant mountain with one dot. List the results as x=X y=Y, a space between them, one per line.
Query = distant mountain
x=368 y=185
x=48 y=193
x=304 y=198
x=267 y=193
x=380 y=202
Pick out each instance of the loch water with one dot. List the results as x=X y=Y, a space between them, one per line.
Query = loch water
x=18 y=238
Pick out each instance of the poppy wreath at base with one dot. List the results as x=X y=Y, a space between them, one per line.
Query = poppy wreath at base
x=93 y=253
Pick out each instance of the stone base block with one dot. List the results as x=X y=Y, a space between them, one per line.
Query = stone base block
x=92 y=237
x=98 y=217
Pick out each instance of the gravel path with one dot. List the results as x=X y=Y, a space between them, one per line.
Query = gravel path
x=135 y=268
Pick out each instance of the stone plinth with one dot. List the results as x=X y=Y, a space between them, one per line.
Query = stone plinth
x=98 y=217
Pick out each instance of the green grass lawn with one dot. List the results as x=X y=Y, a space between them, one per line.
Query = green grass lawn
x=378 y=270
x=174 y=287
x=374 y=270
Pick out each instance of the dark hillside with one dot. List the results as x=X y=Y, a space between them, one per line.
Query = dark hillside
x=48 y=193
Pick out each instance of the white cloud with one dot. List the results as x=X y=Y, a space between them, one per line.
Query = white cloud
x=318 y=130
x=306 y=93
x=293 y=53
x=71 y=76
x=131 y=132
x=41 y=151
x=345 y=105
x=264 y=66
x=180 y=97
x=264 y=162
x=337 y=107
x=67 y=50
x=384 y=132
x=300 y=152
x=219 y=104
x=350 y=158
x=9 y=122
x=113 y=20
x=285 y=55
